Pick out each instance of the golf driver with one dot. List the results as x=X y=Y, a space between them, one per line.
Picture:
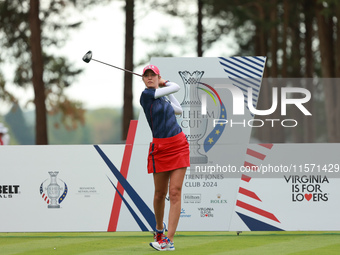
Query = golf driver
x=88 y=57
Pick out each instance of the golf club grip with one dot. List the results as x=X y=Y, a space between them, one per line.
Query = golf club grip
x=117 y=67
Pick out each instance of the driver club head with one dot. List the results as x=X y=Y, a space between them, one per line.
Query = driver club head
x=87 y=57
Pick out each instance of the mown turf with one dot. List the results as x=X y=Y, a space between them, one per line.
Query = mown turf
x=185 y=243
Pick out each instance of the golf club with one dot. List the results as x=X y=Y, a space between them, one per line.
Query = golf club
x=88 y=57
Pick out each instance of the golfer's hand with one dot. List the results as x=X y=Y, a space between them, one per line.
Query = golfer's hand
x=162 y=82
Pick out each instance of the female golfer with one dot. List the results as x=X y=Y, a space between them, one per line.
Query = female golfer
x=168 y=153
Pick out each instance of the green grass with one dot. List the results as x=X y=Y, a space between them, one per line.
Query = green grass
x=185 y=243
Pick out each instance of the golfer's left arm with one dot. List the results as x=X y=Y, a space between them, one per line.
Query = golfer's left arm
x=175 y=104
x=168 y=90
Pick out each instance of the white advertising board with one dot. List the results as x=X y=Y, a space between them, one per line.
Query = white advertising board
x=232 y=184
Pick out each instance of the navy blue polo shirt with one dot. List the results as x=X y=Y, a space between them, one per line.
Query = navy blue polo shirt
x=159 y=114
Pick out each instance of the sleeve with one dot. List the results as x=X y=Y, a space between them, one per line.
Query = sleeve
x=175 y=104
x=169 y=88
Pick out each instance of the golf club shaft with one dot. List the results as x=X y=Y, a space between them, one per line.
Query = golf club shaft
x=117 y=67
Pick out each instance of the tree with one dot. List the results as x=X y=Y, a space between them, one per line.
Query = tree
x=286 y=32
x=326 y=11
x=19 y=127
x=27 y=30
x=5 y=96
x=268 y=28
x=199 y=28
x=196 y=32
x=37 y=72
x=309 y=134
x=129 y=38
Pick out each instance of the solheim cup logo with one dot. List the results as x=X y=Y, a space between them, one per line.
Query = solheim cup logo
x=192 y=123
x=55 y=193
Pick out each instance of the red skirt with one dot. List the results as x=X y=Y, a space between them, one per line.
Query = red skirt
x=166 y=154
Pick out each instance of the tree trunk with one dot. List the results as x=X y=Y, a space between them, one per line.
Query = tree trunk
x=277 y=132
x=37 y=70
x=199 y=29
x=309 y=121
x=262 y=134
x=273 y=39
x=285 y=38
x=337 y=72
x=260 y=34
x=129 y=38
x=325 y=28
x=295 y=72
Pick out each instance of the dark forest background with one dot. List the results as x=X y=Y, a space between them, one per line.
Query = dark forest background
x=301 y=39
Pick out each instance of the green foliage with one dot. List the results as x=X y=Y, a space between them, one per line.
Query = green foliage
x=101 y=126
x=106 y=125
x=55 y=27
x=5 y=96
x=19 y=128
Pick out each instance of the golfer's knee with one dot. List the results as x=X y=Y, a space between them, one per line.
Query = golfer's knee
x=175 y=195
x=159 y=195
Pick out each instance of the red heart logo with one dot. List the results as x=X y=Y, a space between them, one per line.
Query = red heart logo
x=308 y=196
